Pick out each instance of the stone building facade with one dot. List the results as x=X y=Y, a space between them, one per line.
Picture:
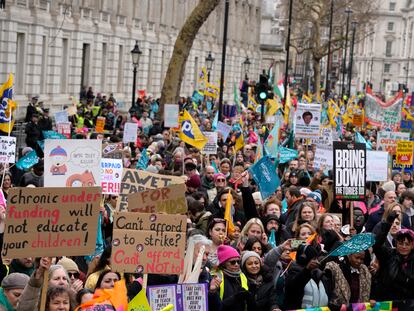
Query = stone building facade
x=55 y=46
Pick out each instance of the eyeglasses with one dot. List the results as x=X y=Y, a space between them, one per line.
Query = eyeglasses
x=234 y=262
x=74 y=275
x=221 y=180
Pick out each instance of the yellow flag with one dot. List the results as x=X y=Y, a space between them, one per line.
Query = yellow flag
x=202 y=77
x=288 y=105
x=8 y=106
x=139 y=302
x=227 y=214
x=190 y=133
x=273 y=106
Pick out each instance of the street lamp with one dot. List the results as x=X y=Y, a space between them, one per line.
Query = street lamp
x=348 y=12
x=351 y=57
x=135 y=53
x=328 y=65
x=246 y=66
x=209 y=65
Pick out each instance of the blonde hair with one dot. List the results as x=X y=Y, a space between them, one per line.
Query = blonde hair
x=389 y=208
x=253 y=221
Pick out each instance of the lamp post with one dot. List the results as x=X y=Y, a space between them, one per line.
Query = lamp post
x=223 y=58
x=246 y=66
x=287 y=51
x=351 y=57
x=209 y=65
x=135 y=53
x=328 y=65
x=348 y=12
x=406 y=69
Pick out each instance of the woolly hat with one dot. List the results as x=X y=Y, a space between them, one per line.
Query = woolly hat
x=268 y=218
x=194 y=181
x=15 y=280
x=217 y=175
x=68 y=264
x=389 y=186
x=247 y=254
x=316 y=195
x=305 y=191
x=225 y=252
x=58 y=151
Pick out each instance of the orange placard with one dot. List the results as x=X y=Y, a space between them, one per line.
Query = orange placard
x=100 y=124
x=404 y=152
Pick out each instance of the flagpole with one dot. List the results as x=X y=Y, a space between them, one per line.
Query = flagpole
x=6 y=164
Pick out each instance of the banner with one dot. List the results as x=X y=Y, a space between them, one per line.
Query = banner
x=169 y=200
x=223 y=129
x=326 y=137
x=184 y=297
x=53 y=135
x=387 y=141
x=350 y=169
x=171 y=115
x=323 y=159
x=400 y=167
x=148 y=243
x=358 y=243
x=51 y=222
x=386 y=115
x=72 y=163
x=307 y=121
x=111 y=174
x=135 y=181
x=7 y=149
x=100 y=124
x=27 y=161
x=377 y=165
x=211 y=146
x=64 y=128
x=404 y=154
x=286 y=154
x=61 y=117
x=130 y=133
x=264 y=174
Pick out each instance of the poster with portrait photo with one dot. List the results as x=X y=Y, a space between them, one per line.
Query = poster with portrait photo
x=307 y=121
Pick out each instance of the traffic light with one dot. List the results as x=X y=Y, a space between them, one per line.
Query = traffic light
x=262 y=88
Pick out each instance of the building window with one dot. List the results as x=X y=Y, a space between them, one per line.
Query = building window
x=390 y=26
x=65 y=63
x=103 y=67
x=388 y=48
x=121 y=68
x=20 y=63
x=387 y=68
x=392 y=6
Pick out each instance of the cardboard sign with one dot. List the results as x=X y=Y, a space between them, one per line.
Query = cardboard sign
x=358 y=120
x=387 y=141
x=72 y=163
x=135 y=181
x=169 y=200
x=223 y=129
x=211 y=146
x=350 y=169
x=112 y=151
x=171 y=115
x=377 y=165
x=307 y=121
x=100 y=124
x=61 y=117
x=7 y=149
x=323 y=158
x=111 y=174
x=405 y=152
x=130 y=133
x=64 y=128
x=51 y=222
x=149 y=243
x=184 y=297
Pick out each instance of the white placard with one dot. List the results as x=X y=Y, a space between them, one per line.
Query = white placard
x=377 y=165
x=211 y=146
x=171 y=115
x=7 y=149
x=323 y=158
x=61 y=117
x=307 y=121
x=130 y=133
x=224 y=129
x=111 y=175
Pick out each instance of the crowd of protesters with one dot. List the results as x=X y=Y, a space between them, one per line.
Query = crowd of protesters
x=252 y=268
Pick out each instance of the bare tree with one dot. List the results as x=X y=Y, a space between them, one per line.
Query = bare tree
x=172 y=83
x=310 y=25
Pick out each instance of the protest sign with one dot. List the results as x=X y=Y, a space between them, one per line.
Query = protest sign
x=135 y=181
x=171 y=115
x=100 y=124
x=148 y=243
x=53 y=135
x=264 y=174
x=406 y=125
x=223 y=129
x=400 y=167
x=27 y=161
x=2 y=199
x=211 y=146
x=61 y=117
x=112 y=151
x=197 y=98
x=323 y=158
x=286 y=154
x=350 y=169
x=387 y=141
x=307 y=121
x=169 y=200
x=404 y=152
x=51 y=222
x=64 y=128
x=72 y=163
x=7 y=149
x=111 y=174
x=325 y=137
x=184 y=297
x=358 y=119
x=386 y=115
x=377 y=165
x=130 y=133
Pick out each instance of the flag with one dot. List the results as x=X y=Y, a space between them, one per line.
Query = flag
x=202 y=76
x=360 y=139
x=142 y=164
x=190 y=133
x=228 y=216
x=7 y=106
x=259 y=150
x=264 y=174
x=356 y=244
x=236 y=98
x=310 y=238
x=379 y=306
x=239 y=141
x=288 y=105
x=279 y=89
x=272 y=142
x=272 y=239
x=273 y=106
x=139 y=302
x=27 y=161
x=213 y=164
x=251 y=103
x=215 y=122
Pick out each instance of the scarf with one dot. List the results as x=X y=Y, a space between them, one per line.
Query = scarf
x=257 y=281
x=4 y=302
x=231 y=273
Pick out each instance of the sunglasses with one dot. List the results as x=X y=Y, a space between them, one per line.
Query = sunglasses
x=234 y=262
x=74 y=274
x=221 y=180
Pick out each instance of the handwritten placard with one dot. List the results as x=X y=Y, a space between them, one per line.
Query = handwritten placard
x=7 y=149
x=51 y=222
x=148 y=243
x=130 y=133
x=111 y=174
x=171 y=115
